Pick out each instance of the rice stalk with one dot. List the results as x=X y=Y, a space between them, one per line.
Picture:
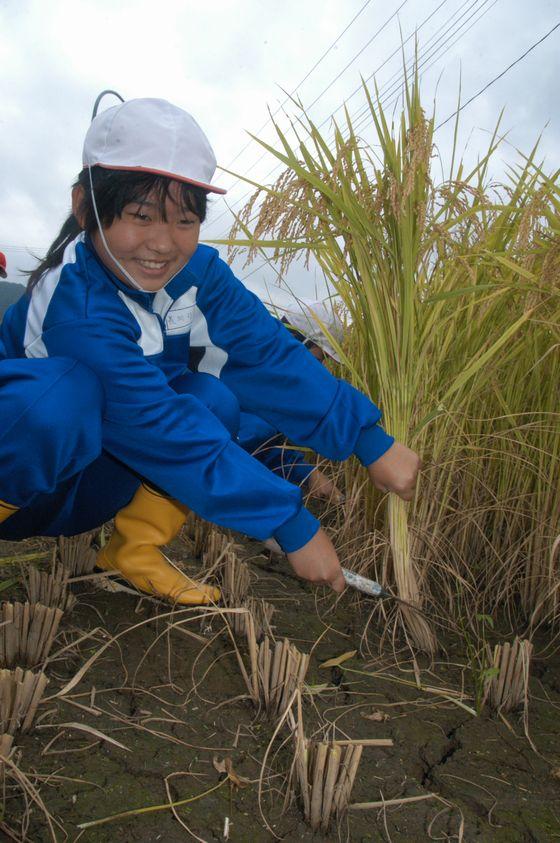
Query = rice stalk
x=27 y=633
x=281 y=671
x=20 y=694
x=325 y=774
x=261 y=614
x=453 y=295
x=508 y=686
x=235 y=580
x=50 y=588
x=76 y=554
x=196 y=531
x=6 y=742
x=216 y=546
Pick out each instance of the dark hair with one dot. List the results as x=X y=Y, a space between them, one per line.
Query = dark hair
x=114 y=190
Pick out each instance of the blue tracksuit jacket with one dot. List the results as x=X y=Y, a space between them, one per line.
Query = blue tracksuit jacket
x=137 y=343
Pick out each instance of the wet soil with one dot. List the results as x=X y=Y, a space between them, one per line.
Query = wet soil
x=176 y=700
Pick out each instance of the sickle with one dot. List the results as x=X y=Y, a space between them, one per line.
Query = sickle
x=374 y=589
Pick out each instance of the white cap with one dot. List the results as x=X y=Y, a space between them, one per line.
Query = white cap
x=154 y=136
x=308 y=319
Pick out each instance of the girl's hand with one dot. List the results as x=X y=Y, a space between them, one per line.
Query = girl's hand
x=321 y=486
x=317 y=562
x=396 y=471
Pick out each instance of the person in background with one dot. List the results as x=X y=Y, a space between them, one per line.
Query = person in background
x=3 y=270
x=268 y=445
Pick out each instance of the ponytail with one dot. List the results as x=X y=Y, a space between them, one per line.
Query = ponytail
x=67 y=233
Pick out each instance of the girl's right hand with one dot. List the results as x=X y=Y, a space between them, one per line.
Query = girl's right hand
x=317 y=562
x=321 y=486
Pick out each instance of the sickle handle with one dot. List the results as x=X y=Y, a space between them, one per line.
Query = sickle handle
x=370 y=587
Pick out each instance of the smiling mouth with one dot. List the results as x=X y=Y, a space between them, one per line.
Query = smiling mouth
x=152 y=265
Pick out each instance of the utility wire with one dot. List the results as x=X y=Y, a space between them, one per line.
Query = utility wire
x=12 y=247
x=499 y=76
x=433 y=55
x=357 y=55
x=265 y=153
x=288 y=99
x=430 y=48
x=484 y=12
x=362 y=118
x=305 y=78
x=413 y=34
x=384 y=92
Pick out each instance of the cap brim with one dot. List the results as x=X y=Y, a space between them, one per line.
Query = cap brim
x=211 y=188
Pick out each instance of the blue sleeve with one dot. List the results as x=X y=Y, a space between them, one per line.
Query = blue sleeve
x=175 y=442
x=275 y=377
x=259 y=438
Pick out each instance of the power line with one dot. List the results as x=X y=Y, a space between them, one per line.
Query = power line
x=439 y=40
x=305 y=78
x=265 y=153
x=475 y=96
x=414 y=34
x=484 y=12
x=12 y=247
x=435 y=53
x=499 y=76
x=357 y=55
x=388 y=89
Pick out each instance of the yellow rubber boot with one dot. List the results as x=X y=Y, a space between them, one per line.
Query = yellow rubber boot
x=6 y=509
x=149 y=521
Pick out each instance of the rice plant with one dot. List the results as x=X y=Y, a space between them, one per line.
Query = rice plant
x=452 y=293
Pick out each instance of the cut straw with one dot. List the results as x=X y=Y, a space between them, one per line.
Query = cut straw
x=20 y=694
x=27 y=632
x=76 y=554
x=325 y=772
x=49 y=587
x=509 y=689
x=197 y=532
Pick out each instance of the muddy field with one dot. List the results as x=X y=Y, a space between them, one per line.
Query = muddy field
x=176 y=703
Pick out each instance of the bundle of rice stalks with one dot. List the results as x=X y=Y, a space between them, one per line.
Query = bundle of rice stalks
x=196 y=533
x=451 y=290
x=280 y=670
x=76 y=554
x=217 y=543
x=508 y=688
x=326 y=773
x=261 y=613
x=274 y=673
x=27 y=632
x=50 y=588
x=235 y=580
x=20 y=694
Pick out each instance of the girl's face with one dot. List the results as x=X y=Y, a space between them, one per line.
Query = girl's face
x=150 y=248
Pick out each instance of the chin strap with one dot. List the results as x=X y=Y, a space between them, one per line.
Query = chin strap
x=126 y=274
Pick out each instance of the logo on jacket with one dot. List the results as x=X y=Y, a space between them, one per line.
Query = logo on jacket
x=179 y=320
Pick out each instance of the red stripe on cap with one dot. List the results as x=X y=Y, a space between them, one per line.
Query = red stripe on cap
x=210 y=187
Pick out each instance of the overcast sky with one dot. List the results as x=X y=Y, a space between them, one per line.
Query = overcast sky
x=228 y=61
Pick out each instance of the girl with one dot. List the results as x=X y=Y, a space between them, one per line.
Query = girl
x=100 y=416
